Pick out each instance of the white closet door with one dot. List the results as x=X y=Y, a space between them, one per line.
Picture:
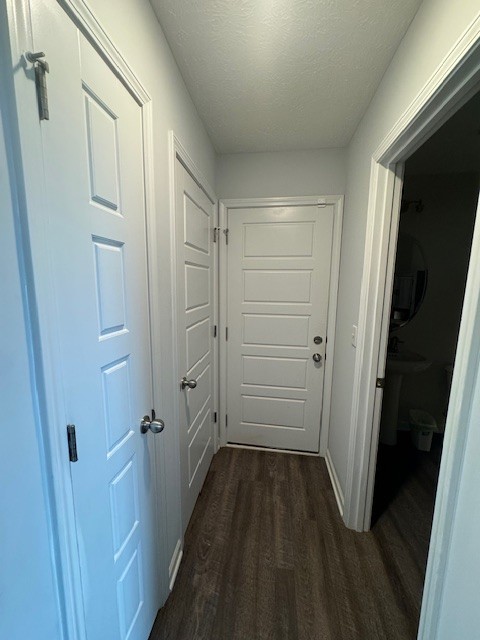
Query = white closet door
x=93 y=149
x=194 y=219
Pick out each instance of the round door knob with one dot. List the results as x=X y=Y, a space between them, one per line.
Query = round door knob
x=156 y=425
x=317 y=357
x=191 y=384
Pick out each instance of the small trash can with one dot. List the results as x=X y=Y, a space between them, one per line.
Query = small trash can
x=423 y=426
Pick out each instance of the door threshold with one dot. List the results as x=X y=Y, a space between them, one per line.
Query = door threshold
x=252 y=447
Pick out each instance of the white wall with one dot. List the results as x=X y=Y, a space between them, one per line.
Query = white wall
x=283 y=173
x=134 y=28
x=435 y=29
x=28 y=595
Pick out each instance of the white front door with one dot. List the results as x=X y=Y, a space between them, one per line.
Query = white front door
x=194 y=222
x=93 y=162
x=279 y=263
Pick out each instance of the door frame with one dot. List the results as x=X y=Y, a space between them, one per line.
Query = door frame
x=46 y=361
x=452 y=85
x=240 y=203
x=177 y=151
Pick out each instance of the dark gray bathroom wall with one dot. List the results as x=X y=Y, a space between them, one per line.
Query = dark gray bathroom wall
x=444 y=231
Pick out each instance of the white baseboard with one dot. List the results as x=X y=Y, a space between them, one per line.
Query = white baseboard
x=337 y=489
x=175 y=563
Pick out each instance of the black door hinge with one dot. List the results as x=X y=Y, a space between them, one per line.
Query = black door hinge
x=214 y=330
x=215 y=233
x=380 y=384
x=214 y=416
x=72 y=443
x=226 y=420
x=226 y=232
x=226 y=333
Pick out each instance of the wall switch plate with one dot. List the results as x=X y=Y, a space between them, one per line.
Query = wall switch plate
x=354 y=335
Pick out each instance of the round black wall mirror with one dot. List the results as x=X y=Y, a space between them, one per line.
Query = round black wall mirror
x=409 y=282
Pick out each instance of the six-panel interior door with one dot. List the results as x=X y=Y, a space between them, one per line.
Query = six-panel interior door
x=194 y=221
x=279 y=262
x=97 y=233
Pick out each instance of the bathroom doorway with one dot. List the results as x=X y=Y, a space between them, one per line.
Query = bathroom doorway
x=437 y=217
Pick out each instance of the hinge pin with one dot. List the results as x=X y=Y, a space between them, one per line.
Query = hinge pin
x=72 y=443
x=41 y=68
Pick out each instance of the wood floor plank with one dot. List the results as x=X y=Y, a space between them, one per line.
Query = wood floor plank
x=286 y=618
x=266 y=559
x=267 y=556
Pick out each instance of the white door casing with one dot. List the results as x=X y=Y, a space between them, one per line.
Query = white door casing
x=279 y=273
x=194 y=224
x=95 y=195
x=393 y=195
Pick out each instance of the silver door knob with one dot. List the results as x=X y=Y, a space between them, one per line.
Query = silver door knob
x=155 y=425
x=191 y=384
x=317 y=357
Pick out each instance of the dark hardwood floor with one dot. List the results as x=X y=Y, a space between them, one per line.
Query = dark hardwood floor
x=267 y=557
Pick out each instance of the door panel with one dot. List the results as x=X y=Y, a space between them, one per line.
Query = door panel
x=276 y=286
x=272 y=330
x=274 y=372
x=93 y=146
x=279 y=262
x=198 y=342
x=194 y=220
x=278 y=239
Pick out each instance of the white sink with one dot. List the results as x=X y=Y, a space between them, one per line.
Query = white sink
x=398 y=365
x=406 y=362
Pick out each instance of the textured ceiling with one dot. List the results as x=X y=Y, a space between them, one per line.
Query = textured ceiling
x=269 y=75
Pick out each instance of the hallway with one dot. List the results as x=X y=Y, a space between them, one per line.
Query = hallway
x=267 y=556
